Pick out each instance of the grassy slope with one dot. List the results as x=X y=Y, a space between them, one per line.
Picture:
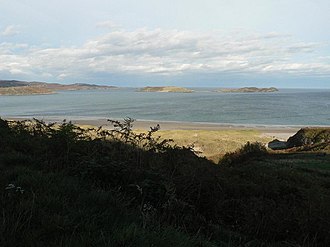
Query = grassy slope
x=136 y=191
x=214 y=144
x=57 y=210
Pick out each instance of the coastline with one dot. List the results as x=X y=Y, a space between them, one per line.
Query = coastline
x=210 y=140
x=275 y=131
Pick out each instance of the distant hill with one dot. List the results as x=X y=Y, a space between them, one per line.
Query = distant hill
x=12 y=83
x=24 y=90
x=13 y=87
x=169 y=89
x=248 y=90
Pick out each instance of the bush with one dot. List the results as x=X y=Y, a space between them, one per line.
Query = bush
x=248 y=152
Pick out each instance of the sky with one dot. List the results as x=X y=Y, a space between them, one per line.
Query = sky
x=197 y=43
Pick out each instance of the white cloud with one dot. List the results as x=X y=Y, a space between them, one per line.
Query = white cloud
x=166 y=52
x=10 y=30
x=108 y=25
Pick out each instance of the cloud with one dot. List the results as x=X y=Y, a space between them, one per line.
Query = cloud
x=167 y=52
x=108 y=25
x=10 y=30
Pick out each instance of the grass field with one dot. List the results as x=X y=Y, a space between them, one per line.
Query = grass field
x=213 y=144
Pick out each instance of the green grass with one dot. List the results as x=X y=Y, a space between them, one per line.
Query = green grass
x=120 y=188
x=56 y=210
x=302 y=160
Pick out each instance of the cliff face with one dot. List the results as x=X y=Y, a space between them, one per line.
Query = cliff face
x=13 y=87
x=248 y=90
x=169 y=89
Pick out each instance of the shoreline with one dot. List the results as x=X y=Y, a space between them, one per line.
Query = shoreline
x=165 y=124
x=281 y=132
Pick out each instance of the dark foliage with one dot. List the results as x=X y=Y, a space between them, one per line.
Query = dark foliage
x=68 y=186
x=246 y=153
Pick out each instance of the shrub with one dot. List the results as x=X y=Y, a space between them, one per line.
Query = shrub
x=247 y=152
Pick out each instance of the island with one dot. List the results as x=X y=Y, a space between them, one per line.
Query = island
x=167 y=89
x=248 y=90
x=13 y=87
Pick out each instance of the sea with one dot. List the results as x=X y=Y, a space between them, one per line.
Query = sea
x=289 y=107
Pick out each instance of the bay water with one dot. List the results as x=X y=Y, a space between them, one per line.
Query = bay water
x=285 y=107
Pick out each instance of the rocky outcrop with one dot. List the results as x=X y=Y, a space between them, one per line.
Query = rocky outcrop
x=277 y=145
x=309 y=136
x=306 y=139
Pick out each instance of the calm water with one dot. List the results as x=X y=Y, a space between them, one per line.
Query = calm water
x=286 y=107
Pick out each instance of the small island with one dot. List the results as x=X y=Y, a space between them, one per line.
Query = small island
x=13 y=87
x=248 y=90
x=168 y=89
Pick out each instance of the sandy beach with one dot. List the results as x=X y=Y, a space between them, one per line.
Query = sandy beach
x=279 y=132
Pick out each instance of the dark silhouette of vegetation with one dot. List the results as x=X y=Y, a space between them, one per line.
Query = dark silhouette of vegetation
x=62 y=185
x=244 y=154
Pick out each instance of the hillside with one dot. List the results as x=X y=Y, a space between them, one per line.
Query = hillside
x=306 y=139
x=12 y=87
x=168 y=89
x=248 y=90
x=63 y=185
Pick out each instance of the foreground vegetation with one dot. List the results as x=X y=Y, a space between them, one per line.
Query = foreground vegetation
x=67 y=186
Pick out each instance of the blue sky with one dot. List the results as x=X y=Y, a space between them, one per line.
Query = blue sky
x=216 y=43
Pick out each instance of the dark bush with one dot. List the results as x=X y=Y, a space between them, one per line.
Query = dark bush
x=247 y=152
